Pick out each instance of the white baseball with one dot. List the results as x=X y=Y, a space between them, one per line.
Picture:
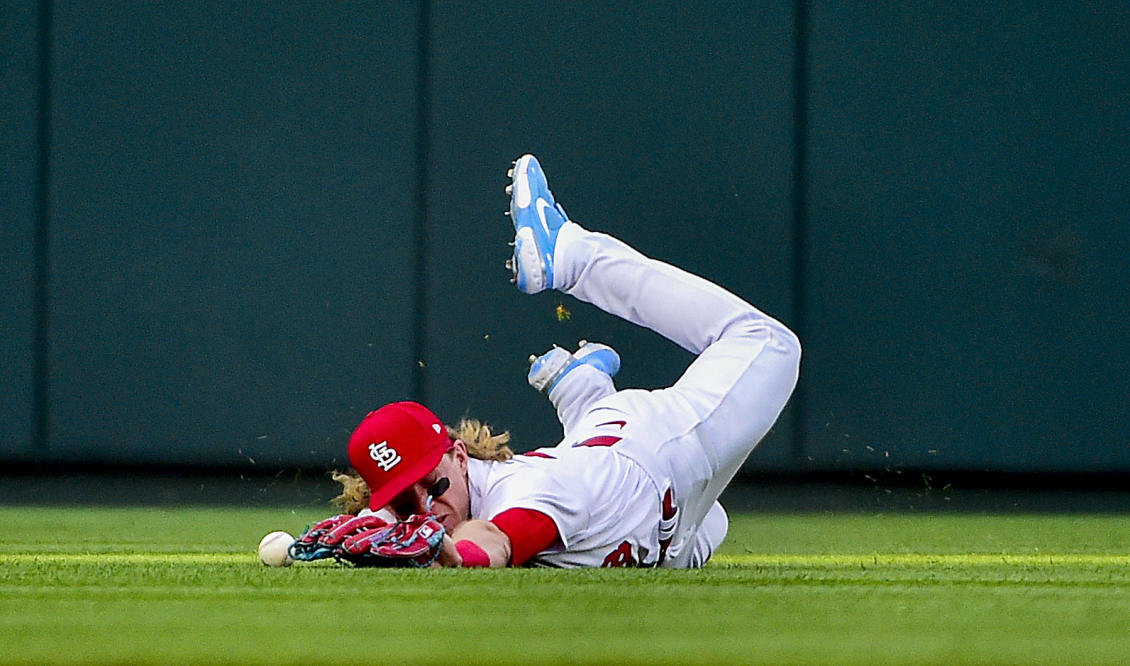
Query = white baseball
x=274 y=549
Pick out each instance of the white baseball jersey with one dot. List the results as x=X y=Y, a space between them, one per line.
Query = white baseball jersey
x=605 y=506
x=637 y=476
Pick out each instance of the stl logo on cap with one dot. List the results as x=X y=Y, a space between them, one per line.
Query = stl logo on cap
x=396 y=446
x=384 y=455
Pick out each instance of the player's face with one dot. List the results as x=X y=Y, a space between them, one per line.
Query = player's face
x=446 y=485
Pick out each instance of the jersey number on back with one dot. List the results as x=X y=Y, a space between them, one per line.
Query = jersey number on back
x=620 y=557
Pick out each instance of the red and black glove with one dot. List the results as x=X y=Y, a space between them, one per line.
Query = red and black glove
x=414 y=542
x=323 y=539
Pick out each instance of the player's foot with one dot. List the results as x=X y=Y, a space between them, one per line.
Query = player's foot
x=551 y=367
x=537 y=219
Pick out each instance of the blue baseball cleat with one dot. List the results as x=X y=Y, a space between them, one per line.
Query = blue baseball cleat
x=537 y=218
x=547 y=370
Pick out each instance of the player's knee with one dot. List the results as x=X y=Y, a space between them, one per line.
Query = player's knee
x=711 y=534
x=790 y=345
x=778 y=338
x=782 y=361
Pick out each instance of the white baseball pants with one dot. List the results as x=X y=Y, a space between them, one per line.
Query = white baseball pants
x=693 y=436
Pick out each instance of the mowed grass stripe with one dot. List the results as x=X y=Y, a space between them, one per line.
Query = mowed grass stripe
x=129 y=558
x=854 y=560
x=814 y=560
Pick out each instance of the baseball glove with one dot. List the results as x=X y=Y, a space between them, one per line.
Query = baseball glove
x=414 y=542
x=323 y=539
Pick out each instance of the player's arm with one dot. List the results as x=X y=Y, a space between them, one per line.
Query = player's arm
x=510 y=538
x=476 y=543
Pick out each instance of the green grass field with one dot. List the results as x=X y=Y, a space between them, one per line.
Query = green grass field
x=149 y=585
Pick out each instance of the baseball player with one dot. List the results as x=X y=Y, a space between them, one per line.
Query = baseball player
x=635 y=479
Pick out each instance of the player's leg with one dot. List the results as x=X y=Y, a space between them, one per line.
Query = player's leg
x=710 y=535
x=573 y=381
x=553 y=252
x=704 y=426
x=747 y=362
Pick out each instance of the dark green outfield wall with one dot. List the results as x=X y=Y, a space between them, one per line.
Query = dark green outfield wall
x=252 y=224
x=969 y=272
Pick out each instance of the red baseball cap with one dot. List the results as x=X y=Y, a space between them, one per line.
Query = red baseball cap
x=396 y=446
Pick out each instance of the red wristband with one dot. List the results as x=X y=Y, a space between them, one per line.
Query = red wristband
x=472 y=554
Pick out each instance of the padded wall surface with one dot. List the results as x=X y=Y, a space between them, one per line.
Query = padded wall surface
x=969 y=170
x=236 y=192
x=232 y=208
x=18 y=104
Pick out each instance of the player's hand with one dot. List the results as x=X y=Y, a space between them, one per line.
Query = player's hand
x=448 y=554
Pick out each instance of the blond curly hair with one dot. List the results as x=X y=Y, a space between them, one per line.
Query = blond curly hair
x=481 y=444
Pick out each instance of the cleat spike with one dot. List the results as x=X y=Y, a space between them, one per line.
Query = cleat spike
x=510 y=265
x=511 y=243
x=514 y=280
x=506 y=213
x=532 y=359
x=510 y=173
x=581 y=343
x=510 y=189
